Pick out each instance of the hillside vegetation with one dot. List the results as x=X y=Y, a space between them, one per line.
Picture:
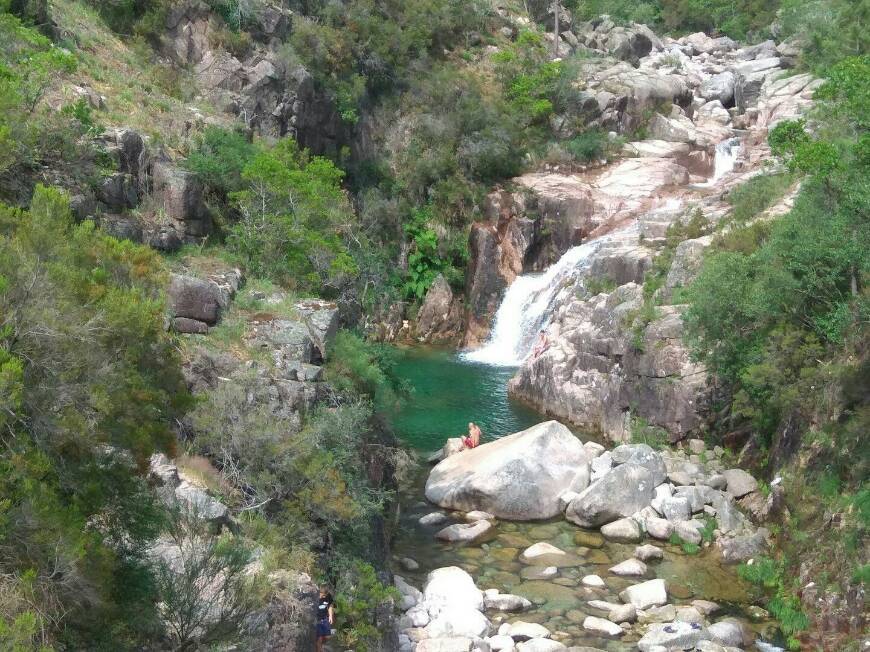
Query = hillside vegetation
x=438 y=101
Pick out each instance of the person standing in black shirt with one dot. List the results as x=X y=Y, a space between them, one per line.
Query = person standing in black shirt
x=325 y=617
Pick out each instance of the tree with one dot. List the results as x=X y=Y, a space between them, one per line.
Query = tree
x=91 y=385
x=296 y=219
x=204 y=580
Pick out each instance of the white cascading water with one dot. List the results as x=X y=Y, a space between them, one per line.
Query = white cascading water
x=723 y=161
x=526 y=307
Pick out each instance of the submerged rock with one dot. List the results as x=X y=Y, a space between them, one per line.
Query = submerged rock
x=602 y=626
x=647 y=594
x=465 y=532
x=518 y=477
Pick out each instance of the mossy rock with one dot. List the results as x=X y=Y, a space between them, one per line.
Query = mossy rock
x=504 y=554
x=550 y=596
x=588 y=539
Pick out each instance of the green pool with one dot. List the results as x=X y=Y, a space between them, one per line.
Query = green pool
x=448 y=392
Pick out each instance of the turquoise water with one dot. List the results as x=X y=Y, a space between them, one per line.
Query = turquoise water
x=448 y=392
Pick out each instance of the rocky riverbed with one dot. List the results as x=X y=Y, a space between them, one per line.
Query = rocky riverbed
x=649 y=568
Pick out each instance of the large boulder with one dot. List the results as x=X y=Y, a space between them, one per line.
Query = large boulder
x=178 y=195
x=625 y=490
x=451 y=587
x=719 y=87
x=517 y=477
x=194 y=298
x=642 y=455
x=440 y=317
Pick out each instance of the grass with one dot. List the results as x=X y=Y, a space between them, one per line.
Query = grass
x=688 y=547
x=599 y=285
x=756 y=195
x=643 y=432
x=141 y=94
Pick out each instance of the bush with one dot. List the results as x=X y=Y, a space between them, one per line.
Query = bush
x=91 y=385
x=218 y=157
x=205 y=587
x=592 y=145
x=752 y=198
x=293 y=215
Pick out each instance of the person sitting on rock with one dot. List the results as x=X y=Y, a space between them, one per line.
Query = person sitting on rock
x=472 y=440
x=542 y=344
x=325 y=617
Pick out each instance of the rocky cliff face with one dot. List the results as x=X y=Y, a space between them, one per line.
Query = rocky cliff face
x=271 y=95
x=604 y=366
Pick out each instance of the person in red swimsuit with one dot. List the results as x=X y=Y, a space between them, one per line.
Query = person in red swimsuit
x=472 y=440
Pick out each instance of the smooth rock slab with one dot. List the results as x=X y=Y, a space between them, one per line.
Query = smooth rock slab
x=465 y=532
x=602 y=626
x=646 y=594
x=629 y=568
x=625 y=530
x=518 y=477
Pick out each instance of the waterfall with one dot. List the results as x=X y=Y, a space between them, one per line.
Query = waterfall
x=527 y=306
x=723 y=162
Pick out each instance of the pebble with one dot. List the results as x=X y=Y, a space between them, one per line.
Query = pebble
x=593 y=581
x=629 y=568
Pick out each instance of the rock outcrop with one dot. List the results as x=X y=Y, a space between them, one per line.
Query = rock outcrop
x=518 y=477
x=271 y=96
x=439 y=319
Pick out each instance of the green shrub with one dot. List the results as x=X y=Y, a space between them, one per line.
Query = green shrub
x=91 y=385
x=591 y=145
x=218 y=157
x=756 y=195
x=643 y=432
x=360 y=595
x=293 y=214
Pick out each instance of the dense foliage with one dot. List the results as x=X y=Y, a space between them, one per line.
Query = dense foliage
x=780 y=313
x=90 y=383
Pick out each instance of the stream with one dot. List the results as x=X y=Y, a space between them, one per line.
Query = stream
x=448 y=392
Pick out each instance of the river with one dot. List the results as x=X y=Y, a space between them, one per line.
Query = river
x=448 y=392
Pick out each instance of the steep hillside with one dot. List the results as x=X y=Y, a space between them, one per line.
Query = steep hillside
x=210 y=209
